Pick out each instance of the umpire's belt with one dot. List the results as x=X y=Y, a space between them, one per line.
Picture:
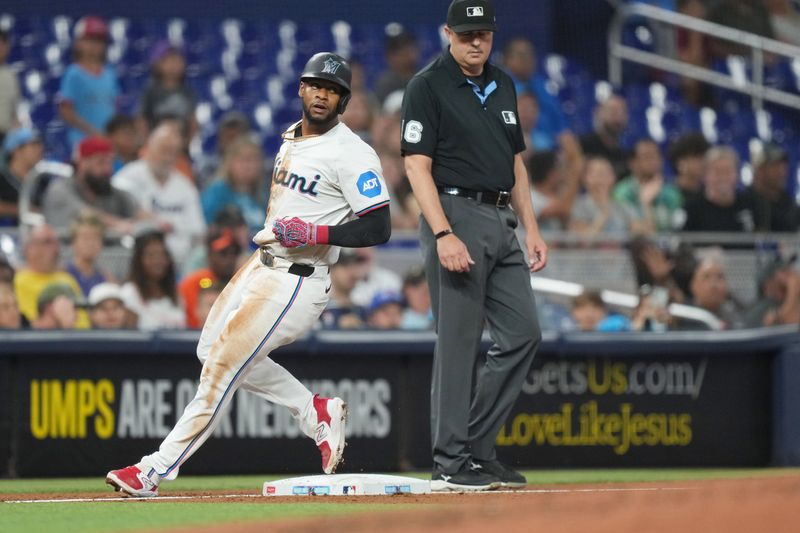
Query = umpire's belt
x=499 y=199
x=271 y=261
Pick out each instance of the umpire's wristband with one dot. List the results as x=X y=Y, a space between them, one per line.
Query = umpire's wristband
x=443 y=233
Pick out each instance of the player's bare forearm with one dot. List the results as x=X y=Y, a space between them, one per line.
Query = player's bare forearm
x=521 y=197
x=418 y=170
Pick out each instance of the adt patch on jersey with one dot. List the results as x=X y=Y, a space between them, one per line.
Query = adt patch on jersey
x=369 y=185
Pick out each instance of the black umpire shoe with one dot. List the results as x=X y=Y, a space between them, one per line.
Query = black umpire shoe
x=507 y=476
x=467 y=479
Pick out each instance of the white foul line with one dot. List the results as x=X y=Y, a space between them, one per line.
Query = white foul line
x=156 y=498
x=211 y=497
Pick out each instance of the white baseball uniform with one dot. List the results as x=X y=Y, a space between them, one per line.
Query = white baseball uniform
x=323 y=179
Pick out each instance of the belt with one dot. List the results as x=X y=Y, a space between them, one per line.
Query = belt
x=267 y=259
x=499 y=199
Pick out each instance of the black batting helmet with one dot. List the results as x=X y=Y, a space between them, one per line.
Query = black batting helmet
x=331 y=67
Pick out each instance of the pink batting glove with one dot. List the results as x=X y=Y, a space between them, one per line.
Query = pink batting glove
x=294 y=233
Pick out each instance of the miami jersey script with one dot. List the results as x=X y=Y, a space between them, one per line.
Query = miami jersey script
x=324 y=179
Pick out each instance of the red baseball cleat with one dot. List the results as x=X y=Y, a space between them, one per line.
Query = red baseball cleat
x=331 y=420
x=132 y=482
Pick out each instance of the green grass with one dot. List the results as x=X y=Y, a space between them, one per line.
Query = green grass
x=136 y=515
x=133 y=515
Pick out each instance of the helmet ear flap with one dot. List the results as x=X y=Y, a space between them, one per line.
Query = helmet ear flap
x=345 y=98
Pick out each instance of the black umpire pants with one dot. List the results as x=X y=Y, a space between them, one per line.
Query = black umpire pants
x=471 y=397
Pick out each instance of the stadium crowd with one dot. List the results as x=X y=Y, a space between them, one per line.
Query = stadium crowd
x=190 y=218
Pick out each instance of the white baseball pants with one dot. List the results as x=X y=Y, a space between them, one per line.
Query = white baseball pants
x=261 y=309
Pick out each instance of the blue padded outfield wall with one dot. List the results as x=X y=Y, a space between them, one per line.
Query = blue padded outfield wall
x=75 y=403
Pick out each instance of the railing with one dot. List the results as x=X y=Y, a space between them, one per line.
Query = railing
x=568 y=289
x=619 y=52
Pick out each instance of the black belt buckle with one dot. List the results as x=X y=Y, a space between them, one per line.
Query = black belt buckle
x=503 y=198
x=268 y=260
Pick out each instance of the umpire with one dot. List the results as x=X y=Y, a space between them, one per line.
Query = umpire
x=462 y=143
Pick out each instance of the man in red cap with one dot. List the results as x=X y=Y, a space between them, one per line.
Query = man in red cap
x=90 y=189
x=89 y=88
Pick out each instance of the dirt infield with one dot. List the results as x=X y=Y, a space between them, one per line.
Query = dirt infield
x=745 y=505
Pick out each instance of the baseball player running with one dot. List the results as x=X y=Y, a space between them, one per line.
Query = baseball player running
x=327 y=191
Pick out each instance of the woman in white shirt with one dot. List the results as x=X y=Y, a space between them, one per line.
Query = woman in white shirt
x=150 y=292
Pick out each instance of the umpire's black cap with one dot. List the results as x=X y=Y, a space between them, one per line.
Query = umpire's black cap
x=471 y=15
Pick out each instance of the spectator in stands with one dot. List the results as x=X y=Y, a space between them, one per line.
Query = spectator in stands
x=56 y=307
x=709 y=291
x=595 y=211
x=166 y=94
x=404 y=207
x=90 y=191
x=519 y=59
x=6 y=270
x=360 y=114
x=183 y=163
x=106 y=308
x=785 y=20
x=386 y=126
x=150 y=294
x=22 y=149
x=778 y=294
x=385 y=311
x=9 y=88
x=232 y=125
x=658 y=205
x=205 y=301
x=774 y=209
x=554 y=184
x=721 y=207
x=341 y=312
x=651 y=313
x=121 y=131
x=591 y=314
x=10 y=317
x=694 y=48
x=402 y=58
x=657 y=267
x=163 y=191
x=242 y=183
x=223 y=252
x=417 y=314
x=687 y=156
x=228 y=217
x=746 y=15
x=610 y=120
x=89 y=87
x=41 y=251
x=372 y=278
x=358 y=77
x=86 y=237
x=528 y=110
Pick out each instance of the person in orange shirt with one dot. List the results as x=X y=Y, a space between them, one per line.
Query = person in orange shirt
x=223 y=253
